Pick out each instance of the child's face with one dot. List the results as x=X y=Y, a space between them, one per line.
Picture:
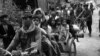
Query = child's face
x=37 y=21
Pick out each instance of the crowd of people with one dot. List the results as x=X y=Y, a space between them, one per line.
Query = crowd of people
x=37 y=29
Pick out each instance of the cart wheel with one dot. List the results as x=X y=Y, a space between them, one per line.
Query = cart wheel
x=72 y=48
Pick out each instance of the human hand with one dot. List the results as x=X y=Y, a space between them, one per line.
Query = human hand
x=5 y=35
x=5 y=52
x=34 y=44
x=24 y=54
x=16 y=53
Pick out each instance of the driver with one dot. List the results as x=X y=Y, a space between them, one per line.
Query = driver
x=27 y=36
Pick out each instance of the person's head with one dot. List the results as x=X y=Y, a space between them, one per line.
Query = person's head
x=52 y=21
x=4 y=19
x=53 y=14
x=86 y=6
x=91 y=4
x=58 y=8
x=27 y=22
x=37 y=20
x=38 y=12
x=72 y=4
x=58 y=22
x=64 y=22
x=63 y=7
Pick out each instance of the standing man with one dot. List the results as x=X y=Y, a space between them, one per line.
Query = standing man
x=91 y=7
x=6 y=31
x=88 y=16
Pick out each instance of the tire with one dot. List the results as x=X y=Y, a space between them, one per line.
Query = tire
x=58 y=51
x=72 y=48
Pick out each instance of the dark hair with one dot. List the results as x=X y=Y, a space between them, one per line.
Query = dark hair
x=38 y=12
x=25 y=17
x=58 y=21
x=3 y=16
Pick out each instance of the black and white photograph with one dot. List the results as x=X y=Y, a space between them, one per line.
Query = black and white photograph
x=49 y=27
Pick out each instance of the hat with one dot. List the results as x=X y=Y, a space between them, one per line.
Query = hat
x=38 y=10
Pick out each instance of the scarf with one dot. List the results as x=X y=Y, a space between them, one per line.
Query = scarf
x=30 y=29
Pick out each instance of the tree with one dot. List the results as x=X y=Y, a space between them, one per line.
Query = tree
x=11 y=10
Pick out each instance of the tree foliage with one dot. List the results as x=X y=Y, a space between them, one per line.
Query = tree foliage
x=11 y=10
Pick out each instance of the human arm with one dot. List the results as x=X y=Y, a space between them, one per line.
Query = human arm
x=37 y=37
x=14 y=42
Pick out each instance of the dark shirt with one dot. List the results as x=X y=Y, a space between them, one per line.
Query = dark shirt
x=10 y=31
x=88 y=15
x=10 y=34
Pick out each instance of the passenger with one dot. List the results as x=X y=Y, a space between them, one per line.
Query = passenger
x=28 y=36
x=7 y=31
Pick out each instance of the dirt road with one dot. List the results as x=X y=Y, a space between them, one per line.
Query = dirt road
x=90 y=46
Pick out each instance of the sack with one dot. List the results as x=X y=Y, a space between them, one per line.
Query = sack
x=76 y=27
x=80 y=34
